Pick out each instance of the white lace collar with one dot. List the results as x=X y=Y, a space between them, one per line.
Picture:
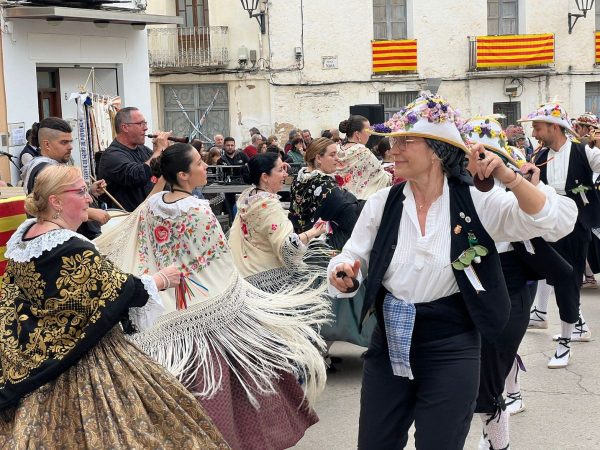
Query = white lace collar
x=304 y=176
x=160 y=208
x=24 y=251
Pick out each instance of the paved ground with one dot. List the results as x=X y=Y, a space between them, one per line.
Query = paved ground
x=562 y=405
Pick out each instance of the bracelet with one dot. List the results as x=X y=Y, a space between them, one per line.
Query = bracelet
x=514 y=183
x=166 y=282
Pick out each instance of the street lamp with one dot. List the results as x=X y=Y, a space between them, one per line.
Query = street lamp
x=251 y=6
x=582 y=5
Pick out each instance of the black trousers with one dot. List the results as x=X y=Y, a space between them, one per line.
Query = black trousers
x=573 y=248
x=440 y=400
x=497 y=358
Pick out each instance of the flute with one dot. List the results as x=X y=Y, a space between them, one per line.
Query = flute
x=182 y=140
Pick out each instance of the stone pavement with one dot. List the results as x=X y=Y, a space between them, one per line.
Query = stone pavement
x=562 y=405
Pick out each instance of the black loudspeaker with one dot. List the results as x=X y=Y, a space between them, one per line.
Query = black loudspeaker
x=375 y=114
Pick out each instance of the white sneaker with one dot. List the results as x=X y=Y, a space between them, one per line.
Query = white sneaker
x=514 y=403
x=562 y=355
x=537 y=319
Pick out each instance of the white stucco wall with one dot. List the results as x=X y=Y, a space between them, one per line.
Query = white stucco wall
x=34 y=42
x=303 y=94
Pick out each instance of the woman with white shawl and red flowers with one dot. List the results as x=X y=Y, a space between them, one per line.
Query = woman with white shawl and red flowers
x=435 y=280
x=241 y=351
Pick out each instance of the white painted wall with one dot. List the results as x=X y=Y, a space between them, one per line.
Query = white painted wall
x=34 y=42
x=307 y=96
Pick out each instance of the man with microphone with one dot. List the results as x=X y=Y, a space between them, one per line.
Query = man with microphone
x=125 y=164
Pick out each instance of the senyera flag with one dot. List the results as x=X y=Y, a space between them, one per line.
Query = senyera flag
x=515 y=50
x=12 y=214
x=395 y=56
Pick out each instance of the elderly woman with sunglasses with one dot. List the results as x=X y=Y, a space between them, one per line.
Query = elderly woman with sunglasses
x=69 y=378
x=434 y=276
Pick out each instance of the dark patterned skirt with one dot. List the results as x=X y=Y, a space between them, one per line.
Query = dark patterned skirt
x=279 y=422
x=114 y=397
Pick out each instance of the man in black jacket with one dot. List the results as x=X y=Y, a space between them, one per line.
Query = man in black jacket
x=125 y=164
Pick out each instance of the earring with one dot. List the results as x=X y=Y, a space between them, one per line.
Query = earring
x=56 y=215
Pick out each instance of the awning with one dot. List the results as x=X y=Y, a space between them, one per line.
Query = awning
x=57 y=13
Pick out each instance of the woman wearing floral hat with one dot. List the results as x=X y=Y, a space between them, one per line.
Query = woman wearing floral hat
x=435 y=280
x=568 y=167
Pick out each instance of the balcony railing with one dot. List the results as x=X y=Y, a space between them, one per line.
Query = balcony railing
x=188 y=48
x=512 y=52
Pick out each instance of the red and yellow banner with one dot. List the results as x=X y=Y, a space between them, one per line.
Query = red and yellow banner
x=12 y=214
x=515 y=50
x=597 y=47
x=395 y=56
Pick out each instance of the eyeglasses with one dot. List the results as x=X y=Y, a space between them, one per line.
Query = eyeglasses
x=403 y=142
x=82 y=192
x=142 y=123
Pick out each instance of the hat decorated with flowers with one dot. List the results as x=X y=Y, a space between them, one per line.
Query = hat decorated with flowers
x=551 y=112
x=429 y=116
x=587 y=119
x=515 y=132
x=486 y=130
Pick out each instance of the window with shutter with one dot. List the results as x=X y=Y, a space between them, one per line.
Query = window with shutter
x=394 y=101
x=592 y=97
x=503 y=17
x=389 y=19
x=512 y=111
x=194 y=12
x=195 y=99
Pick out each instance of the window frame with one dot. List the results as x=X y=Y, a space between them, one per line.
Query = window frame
x=389 y=23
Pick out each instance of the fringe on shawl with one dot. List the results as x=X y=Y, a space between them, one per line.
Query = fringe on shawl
x=256 y=333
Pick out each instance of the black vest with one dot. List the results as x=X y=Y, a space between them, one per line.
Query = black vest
x=489 y=310
x=546 y=263
x=578 y=173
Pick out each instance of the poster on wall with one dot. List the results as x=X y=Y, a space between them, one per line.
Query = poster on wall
x=16 y=132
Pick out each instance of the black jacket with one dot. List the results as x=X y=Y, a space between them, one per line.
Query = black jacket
x=127 y=176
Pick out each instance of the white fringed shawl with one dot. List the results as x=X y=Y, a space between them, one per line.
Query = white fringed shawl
x=257 y=334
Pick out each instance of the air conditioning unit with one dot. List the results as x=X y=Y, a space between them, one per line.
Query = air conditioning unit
x=511 y=90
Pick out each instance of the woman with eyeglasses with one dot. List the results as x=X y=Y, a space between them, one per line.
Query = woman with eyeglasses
x=69 y=377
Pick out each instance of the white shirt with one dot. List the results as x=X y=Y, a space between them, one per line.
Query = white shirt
x=420 y=269
x=558 y=167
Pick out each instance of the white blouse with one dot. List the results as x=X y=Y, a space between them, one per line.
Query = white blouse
x=420 y=269
x=558 y=167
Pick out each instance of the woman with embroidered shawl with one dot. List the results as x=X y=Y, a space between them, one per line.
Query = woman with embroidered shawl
x=359 y=169
x=315 y=195
x=69 y=378
x=435 y=281
x=239 y=350
x=264 y=246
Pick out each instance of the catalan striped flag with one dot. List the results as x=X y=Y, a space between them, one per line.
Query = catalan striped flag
x=515 y=50
x=597 y=47
x=12 y=214
x=395 y=56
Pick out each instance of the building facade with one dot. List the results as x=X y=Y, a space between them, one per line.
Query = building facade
x=51 y=52
x=316 y=59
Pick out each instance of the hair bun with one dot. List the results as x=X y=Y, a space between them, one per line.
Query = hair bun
x=343 y=126
x=155 y=166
